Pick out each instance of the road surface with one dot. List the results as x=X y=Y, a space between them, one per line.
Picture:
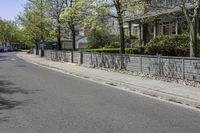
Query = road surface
x=38 y=100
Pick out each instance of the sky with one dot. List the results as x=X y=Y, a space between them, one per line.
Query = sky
x=9 y=9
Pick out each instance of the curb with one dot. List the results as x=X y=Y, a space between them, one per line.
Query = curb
x=166 y=96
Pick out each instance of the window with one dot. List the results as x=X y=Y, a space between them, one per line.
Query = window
x=166 y=28
x=125 y=10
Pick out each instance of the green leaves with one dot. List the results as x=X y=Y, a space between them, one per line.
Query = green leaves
x=174 y=45
x=35 y=22
x=8 y=32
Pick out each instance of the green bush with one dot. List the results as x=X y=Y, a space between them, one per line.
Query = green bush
x=102 y=50
x=114 y=42
x=128 y=38
x=134 y=37
x=136 y=50
x=98 y=38
x=174 y=45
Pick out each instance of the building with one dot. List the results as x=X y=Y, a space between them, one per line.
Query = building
x=81 y=39
x=147 y=22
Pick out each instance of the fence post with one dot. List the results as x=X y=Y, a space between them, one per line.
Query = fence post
x=141 y=64
x=67 y=56
x=80 y=58
x=51 y=54
x=159 y=65
x=72 y=57
x=183 y=68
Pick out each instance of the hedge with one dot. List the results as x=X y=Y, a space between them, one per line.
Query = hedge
x=173 y=45
x=136 y=50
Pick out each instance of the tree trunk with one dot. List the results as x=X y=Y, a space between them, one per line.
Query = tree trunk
x=122 y=36
x=37 y=48
x=73 y=37
x=59 y=47
x=193 y=38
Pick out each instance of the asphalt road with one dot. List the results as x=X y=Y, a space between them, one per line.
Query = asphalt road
x=38 y=100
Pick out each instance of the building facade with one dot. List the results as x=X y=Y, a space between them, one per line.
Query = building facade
x=147 y=22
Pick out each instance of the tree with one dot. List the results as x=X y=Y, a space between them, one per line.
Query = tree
x=117 y=11
x=83 y=13
x=56 y=8
x=72 y=17
x=116 y=8
x=2 y=31
x=35 y=25
x=30 y=22
x=191 y=15
x=8 y=32
x=99 y=38
x=119 y=16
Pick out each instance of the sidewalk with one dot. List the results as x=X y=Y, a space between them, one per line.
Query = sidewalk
x=168 y=91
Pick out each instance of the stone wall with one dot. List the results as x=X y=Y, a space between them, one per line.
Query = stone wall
x=175 y=67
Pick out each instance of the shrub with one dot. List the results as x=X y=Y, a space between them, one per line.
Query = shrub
x=98 y=38
x=136 y=50
x=102 y=50
x=114 y=42
x=128 y=38
x=134 y=37
x=113 y=45
x=174 y=45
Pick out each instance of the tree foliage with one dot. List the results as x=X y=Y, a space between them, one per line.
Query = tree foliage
x=9 y=33
x=34 y=23
x=72 y=16
x=55 y=9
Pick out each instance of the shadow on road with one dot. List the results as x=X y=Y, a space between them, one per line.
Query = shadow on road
x=7 y=102
x=7 y=87
x=12 y=96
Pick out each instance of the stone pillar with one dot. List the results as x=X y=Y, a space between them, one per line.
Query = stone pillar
x=155 y=26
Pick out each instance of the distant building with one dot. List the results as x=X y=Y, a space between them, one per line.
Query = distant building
x=113 y=25
x=81 y=39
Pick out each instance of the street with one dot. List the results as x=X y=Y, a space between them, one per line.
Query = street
x=38 y=100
